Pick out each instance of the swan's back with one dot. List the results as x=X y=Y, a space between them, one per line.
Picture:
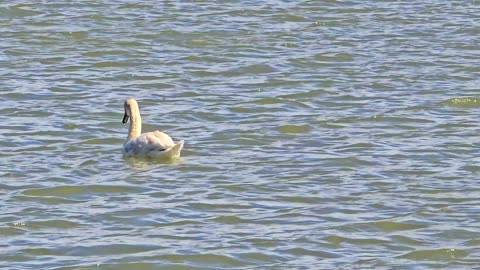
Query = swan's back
x=153 y=144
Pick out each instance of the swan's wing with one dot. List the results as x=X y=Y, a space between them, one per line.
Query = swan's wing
x=173 y=149
x=162 y=138
x=148 y=143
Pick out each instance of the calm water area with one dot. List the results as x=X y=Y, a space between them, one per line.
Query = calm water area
x=318 y=134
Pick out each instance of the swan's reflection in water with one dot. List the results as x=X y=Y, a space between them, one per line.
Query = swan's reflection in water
x=145 y=164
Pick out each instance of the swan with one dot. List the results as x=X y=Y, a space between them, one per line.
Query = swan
x=154 y=144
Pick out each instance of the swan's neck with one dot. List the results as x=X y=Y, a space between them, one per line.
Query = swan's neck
x=135 y=124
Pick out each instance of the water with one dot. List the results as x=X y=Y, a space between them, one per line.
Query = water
x=319 y=134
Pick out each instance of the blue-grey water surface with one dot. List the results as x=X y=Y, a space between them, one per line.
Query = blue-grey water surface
x=319 y=134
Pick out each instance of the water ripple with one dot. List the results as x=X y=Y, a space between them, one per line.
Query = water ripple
x=319 y=135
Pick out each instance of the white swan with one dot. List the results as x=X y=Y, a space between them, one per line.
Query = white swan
x=154 y=144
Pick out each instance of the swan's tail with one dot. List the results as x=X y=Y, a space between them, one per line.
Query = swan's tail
x=174 y=151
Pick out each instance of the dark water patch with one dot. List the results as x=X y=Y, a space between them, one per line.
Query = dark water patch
x=294 y=128
x=51 y=224
x=436 y=255
x=463 y=102
x=8 y=231
x=50 y=200
x=17 y=11
x=76 y=191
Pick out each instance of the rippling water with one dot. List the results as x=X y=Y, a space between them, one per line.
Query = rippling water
x=319 y=134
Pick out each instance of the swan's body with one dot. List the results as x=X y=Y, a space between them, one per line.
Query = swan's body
x=154 y=144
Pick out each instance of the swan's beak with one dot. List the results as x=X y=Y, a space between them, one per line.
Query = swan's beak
x=125 y=118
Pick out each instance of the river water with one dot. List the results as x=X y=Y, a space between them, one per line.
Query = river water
x=318 y=134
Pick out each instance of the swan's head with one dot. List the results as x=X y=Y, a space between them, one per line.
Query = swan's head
x=129 y=106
